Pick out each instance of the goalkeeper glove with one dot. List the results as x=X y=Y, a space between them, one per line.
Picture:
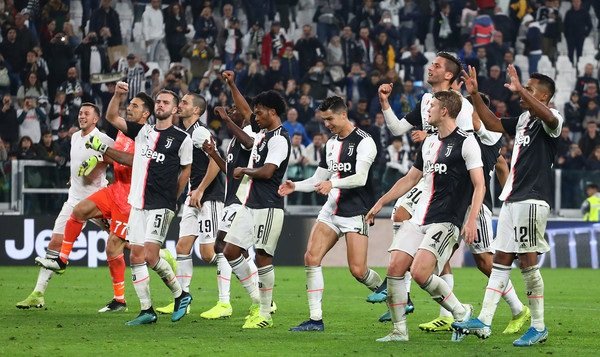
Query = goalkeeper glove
x=95 y=143
x=88 y=165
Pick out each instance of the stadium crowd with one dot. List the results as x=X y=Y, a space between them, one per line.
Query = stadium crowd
x=305 y=49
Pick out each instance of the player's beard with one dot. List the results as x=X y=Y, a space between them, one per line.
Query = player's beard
x=163 y=116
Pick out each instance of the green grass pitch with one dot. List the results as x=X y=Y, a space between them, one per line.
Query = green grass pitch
x=70 y=326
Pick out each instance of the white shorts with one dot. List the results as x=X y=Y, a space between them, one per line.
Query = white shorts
x=202 y=222
x=521 y=228
x=228 y=216
x=410 y=199
x=485 y=232
x=149 y=225
x=256 y=227
x=65 y=213
x=438 y=238
x=343 y=225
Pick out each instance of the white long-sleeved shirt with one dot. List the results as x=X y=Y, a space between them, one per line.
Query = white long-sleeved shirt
x=153 y=26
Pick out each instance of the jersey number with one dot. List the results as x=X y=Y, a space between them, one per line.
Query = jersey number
x=520 y=234
x=206 y=227
x=414 y=195
x=158 y=221
x=121 y=225
x=230 y=218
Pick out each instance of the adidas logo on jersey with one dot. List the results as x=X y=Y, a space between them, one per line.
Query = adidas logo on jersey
x=339 y=166
x=151 y=154
x=435 y=167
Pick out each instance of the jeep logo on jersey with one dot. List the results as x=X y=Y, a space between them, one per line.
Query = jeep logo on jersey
x=523 y=140
x=229 y=157
x=169 y=142
x=339 y=166
x=151 y=154
x=435 y=167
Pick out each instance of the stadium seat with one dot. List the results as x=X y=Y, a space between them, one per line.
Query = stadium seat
x=546 y=67
x=589 y=48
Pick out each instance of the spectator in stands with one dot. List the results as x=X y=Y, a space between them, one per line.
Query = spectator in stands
x=31 y=65
x=386 y=25
x=31 y=120
x=134 y=70
x=319 y=79
x=467 y=55
x=60 y=57
x=592 y=113
x=384 y=47
x=379 y=63
x=153 y=30
x=232 y=45
x=366 y=15
x=76 y=90
x=508 y=59
x=385 y=136
x=175 y=29
x=253 y=82
x=496 y=49
x=32 y=87
x=174 y=82
x=590 y=92
x=105 y=22
x=312 y=159
x=467 y=18
x=564 y=142
x=25 y=149
x=486 y=6
x=350 y=50
x=409 y=97
x=297 y=158
x=413 y=64
x=93 y=57
x=25 y=37
x=533 y=45
x=574 y=160
x=327 y=15
x=445 y=31
x=550 y=21
x=397 y=163
x=291 y=95
x=56 y=10
x=587 y=77
x=206 y=27
x=224 y=21
x=49 y=150
x=253 y=41
x=292 y=126
x=306 y=112
x=309 y=49
x=14 y=58
x=504 y=25
x=355 y=83
x=335 y=55
x=590 y=139
x=274 y=75
x=365 y=47
x=59 y=113
x=9 y=125
x=577 y=26
x=483 y=29
x=48 y=31
x=200 y=57
x=408 y=17
x=272 y=44
x=591 y=206
x=593 y=161
x=494 y=86
x=573 y=115
x=289 y=64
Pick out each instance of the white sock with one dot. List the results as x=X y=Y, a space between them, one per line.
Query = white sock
x=535 y=294
x=166 y=273
x=253 y=268
x=512 y=299
x=223 y=278
x=443 y=295
x=315 y=285
x=371 y=279
x=497 y=284
x=396 y=300
x=141 y=284
x=185 y=271
x=241 y=269
x=266 y=282
x=449 y=279
x=45 y=275
x=407 y=281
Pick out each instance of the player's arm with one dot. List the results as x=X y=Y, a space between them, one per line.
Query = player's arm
x=185 y=162
x=112 y=111
x=122 y=157
x=536 y=107
x=278 y=152
x=211 y=172
x=238 y=99
x=210 y=149
x=487 y=117
x=184 y=178
x=471 y=153
x=243 y=136
x=395 y=125
x=502 y=170
x=401 y=186
x=366 y=151
x=307 y=185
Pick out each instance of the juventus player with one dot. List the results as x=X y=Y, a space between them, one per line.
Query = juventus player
x=259 y=220
x=448 y=161
x=108 y=203
x=526 y=196
x=161 y=169
x=203 y=207
x=343 y=175
x=80 y=188
x=441 y=75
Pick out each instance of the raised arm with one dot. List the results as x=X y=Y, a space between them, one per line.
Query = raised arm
x=235 y=130
x=487 y=117
x=122 y=157
x=396 y=126
x=112 y=112
x=240 y=102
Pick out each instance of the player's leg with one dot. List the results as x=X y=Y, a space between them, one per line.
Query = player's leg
x=357 y=244
x=532 y=243
x=444 y=320
x=116 y=265
x=323 y=237
x=268 y=223
x=189 y=228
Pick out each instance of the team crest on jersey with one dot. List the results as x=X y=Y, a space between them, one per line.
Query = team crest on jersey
x=351 y=149
x=169 y=142
x=448 y=150
x=262 y=146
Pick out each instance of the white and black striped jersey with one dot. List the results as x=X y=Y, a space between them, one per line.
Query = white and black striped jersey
x=216 y=190
x=534 y=150
x=445 y=163
x=270 y=147
x=419 y=116
x=237 y=156
x=159 y=155
x=340 y=160
x=135 y=77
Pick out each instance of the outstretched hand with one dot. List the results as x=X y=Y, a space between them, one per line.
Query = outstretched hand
x=515 y=83
x=470 y=80
x=286 y=188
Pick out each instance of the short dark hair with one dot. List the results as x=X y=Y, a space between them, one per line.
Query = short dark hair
x=297 y=133
x=546 y=82
x=148 y=102
x=89 y=104
x=271 y=99
x=452 y=64
x=173 y=94
x=592 y=186
x=334 y=103
x=198 y=101
x=450 y=100
x=484 y=97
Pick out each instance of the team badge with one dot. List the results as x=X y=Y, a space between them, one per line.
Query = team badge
x=169 y=142
x=350 y=149
x=448 y=150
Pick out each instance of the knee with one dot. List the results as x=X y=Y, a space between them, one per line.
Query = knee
x=419 y=277
x=137 y=255
x=484 y=265
x=79 y=213
x=184 y=246
x=358 y=271
x=114 y=246
x=150 y=258
x=231 y=252
x=311 y=260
